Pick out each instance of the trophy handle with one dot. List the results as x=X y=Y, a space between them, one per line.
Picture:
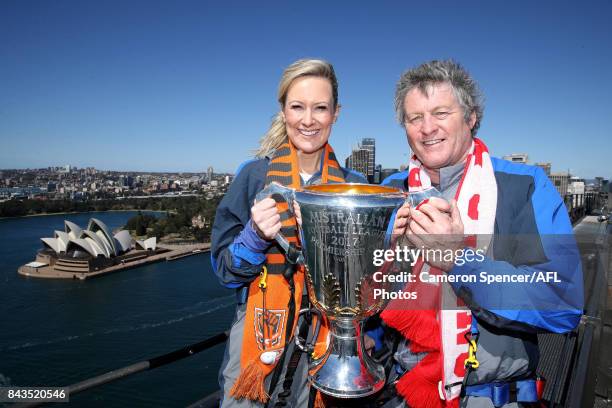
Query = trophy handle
x=302 y=343
x=279 y=192
x=416 y=198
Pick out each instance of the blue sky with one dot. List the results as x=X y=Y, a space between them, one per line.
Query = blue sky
x=183 y=85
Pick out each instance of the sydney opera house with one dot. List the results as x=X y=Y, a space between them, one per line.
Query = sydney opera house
x=77 y=252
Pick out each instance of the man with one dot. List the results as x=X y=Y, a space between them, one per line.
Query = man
x=480 y=340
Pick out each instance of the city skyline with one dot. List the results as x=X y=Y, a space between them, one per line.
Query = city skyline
x=354 y=148
x=161 y=87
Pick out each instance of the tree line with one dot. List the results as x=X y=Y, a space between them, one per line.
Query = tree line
x=190 y=219
x=178 y=218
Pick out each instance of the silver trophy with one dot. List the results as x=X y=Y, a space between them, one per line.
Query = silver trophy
x=342 y=226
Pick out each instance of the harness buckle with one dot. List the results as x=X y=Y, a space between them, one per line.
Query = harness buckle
x=263 y=277
x=471 y=361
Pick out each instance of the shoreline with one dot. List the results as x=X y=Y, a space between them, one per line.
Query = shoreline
x=76 y=212
x=168 y=252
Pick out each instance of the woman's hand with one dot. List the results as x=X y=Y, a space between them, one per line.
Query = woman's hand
x=265 y=218
x=298 y=213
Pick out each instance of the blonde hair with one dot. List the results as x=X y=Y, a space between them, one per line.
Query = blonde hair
x=277 y=133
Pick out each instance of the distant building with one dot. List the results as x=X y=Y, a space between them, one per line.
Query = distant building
x=517 y=158
x=358 y=161
x=384 y=173
x=561 y=181
x=76 y=252
x=370 y=145
x=363 y=158
x=198 y=221
x=94 y=241
x=576 y=188
x=209 y=174
x=377 y=171
x=126 y=181
x=545 y=167
x=600 y=183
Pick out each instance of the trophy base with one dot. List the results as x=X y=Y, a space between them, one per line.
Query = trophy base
x=346 y=370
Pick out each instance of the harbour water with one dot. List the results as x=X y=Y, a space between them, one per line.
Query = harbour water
x=58 y=332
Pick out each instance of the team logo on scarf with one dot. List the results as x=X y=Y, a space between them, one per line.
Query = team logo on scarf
x=272 y=321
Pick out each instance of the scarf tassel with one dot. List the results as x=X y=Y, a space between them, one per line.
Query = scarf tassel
x=318 y=402
x=420 y=327
x=419 y=386
x=250 y=384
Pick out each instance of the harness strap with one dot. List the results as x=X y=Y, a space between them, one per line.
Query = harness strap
x=499 y=392
x=294 y=361
x=291 y=306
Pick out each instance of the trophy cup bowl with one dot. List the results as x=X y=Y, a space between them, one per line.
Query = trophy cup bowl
x=342 y=226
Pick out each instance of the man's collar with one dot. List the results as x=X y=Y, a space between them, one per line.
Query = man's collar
x=450 y=175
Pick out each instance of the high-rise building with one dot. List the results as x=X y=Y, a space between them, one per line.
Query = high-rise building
x=358 y=161
x=370 y=145
x=600 y=183
x=363 y=158
x=561 y=181
x=209 y=174
x=517 y=158
x=545 y=167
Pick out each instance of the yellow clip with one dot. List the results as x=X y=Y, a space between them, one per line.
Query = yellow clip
x=263 y=278
x=471 y=360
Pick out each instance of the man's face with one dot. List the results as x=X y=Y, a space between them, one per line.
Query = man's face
x=437 y=131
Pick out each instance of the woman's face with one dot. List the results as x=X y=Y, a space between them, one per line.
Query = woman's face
x=309 y=113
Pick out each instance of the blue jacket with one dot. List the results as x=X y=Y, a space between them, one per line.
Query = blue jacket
x=532 y=234
x=234 y=259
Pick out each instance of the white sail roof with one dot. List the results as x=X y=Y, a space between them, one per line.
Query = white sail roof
x=83 y=245
x=95 y=240
x=101 y=229
x=99 y=242
x=51 y=243
x=73 y=230
x=150 y=243
x=124 y=239
x=62 y=239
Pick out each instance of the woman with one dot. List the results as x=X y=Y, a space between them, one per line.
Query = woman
x=294 y=152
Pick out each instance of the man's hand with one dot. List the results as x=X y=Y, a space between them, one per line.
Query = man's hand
x=265 y=218
x=437 y=225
